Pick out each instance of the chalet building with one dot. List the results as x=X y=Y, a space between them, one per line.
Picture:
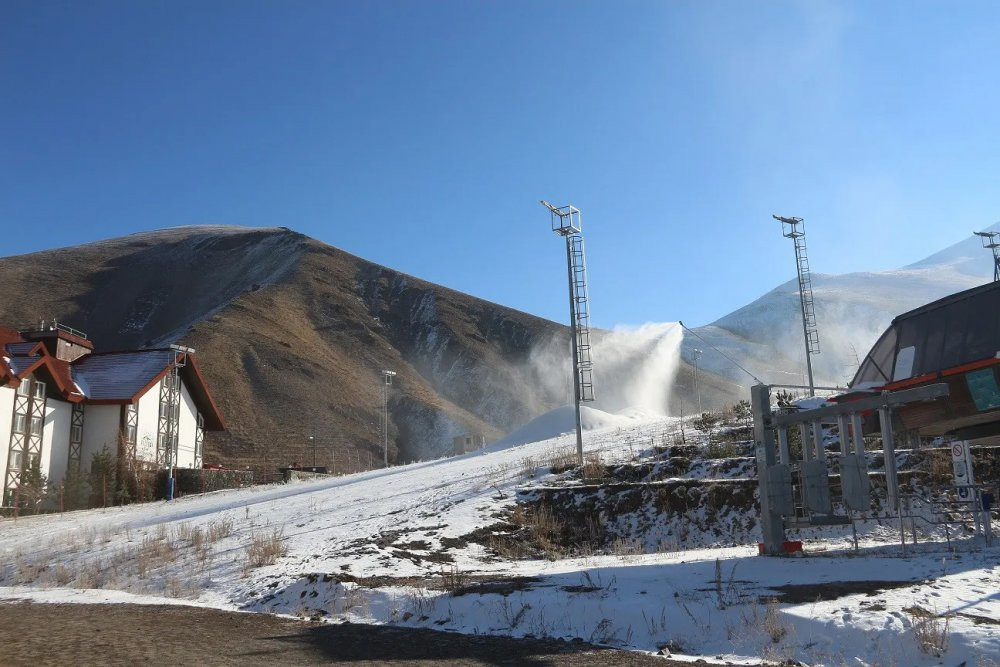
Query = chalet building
x=955 y=341
x=60 y=403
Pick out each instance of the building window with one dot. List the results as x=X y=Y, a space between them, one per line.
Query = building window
x=15 y=460
x=20 y=420
x=75 y=433
x=24 y=389
x=39 y=389
x=36 y=426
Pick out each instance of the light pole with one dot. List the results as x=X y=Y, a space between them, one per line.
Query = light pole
x=566 y=223
x=386 y=383
x=312 y=441
x=791 y=229
x=990 y=242
x=697 y=387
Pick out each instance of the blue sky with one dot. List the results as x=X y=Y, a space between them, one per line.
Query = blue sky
x=421 y=135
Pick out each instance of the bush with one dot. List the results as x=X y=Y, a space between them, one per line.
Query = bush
x=707 y=421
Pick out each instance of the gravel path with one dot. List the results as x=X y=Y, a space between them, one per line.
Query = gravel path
x=126 y=634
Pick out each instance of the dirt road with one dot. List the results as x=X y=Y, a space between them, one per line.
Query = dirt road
x=124 y=634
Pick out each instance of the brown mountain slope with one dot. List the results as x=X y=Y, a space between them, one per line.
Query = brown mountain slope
x=292 y=335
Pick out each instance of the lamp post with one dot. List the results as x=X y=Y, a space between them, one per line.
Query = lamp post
x=386 y=383
x=312 y=441
x=697 y=387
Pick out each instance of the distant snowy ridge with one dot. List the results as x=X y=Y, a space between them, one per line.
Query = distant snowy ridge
x=852 y=310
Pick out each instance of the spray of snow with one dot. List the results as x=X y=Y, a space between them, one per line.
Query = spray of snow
x=634 y=368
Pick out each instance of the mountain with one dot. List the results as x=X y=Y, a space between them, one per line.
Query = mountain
x=292 y=335
x=852 y=310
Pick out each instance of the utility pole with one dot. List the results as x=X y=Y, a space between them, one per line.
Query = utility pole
x=697 y=387
x=312 y=441
x=790 y=229
x=991 y=242
x=386 y=383
x=566 y=223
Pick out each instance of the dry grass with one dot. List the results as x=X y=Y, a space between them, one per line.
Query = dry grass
x=220 y=529
x=562 y=460
x=593 y=469
x=265 y=549
x=930 y=632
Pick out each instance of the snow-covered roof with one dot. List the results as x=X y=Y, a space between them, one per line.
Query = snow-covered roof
x=120 y=376
x=20 y=364
x=18 y=349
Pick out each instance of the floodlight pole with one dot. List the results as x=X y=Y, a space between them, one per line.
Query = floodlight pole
x=697 y=387
x=386 y=383
x=790 y=229
x=566 y=223
x=991 y=241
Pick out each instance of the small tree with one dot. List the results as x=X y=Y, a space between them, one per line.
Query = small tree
x=76 y=490
x=103 y=478
x=744 y=413
x=33 y=489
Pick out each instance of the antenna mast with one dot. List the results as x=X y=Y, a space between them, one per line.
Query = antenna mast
x=795 y=229
x=566 y=223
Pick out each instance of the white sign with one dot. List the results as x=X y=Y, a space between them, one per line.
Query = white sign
x=961 y=461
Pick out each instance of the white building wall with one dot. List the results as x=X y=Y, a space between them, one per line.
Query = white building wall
x=55 y=439
x=149 y=422
x=100 y=431
x=186 y=430
x=6 y=417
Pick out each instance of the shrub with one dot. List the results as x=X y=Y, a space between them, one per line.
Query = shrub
x=265 y=549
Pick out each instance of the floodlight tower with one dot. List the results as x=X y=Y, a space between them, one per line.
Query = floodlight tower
x=991 y=240
x=566 y=223
x=386 y=383
x=795 y=229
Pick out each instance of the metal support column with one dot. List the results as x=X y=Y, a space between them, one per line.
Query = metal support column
x=889 y=451
x=772 y=528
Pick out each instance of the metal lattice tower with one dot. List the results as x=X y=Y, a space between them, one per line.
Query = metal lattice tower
x=566 y=223
x=991 y=240
x=795 y=229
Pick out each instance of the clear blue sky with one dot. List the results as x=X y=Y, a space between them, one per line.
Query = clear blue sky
x=421 y=135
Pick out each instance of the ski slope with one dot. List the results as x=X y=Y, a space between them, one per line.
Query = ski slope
x=390 y=546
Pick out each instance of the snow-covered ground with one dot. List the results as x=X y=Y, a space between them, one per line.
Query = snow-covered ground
x=396 y=546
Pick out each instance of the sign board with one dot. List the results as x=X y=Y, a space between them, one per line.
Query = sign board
x=961 y=461
x=983 y=387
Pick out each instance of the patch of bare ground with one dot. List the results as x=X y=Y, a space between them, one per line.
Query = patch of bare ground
x=457 y=583
x=127 y=634
x=831 y=590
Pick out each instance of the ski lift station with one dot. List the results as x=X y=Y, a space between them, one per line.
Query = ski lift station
x=932 y=374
